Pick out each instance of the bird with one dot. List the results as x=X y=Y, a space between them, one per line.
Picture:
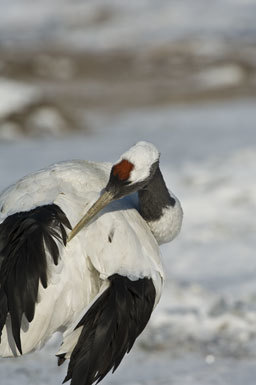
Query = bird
x=79 y=254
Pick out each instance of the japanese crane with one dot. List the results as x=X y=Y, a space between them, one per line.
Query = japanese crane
x=98 y=283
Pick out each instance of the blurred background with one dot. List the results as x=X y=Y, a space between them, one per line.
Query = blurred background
x=86 y=80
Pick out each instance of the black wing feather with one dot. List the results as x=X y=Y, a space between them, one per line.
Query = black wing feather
x=110 y=328
x=24 y=238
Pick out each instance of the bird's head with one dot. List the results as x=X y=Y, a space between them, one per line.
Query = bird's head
x=131 y=173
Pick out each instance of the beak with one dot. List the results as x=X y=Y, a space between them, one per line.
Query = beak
x=102 y=202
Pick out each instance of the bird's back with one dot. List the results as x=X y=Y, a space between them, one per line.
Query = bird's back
x=75 y=179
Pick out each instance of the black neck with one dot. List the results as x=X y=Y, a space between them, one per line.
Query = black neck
x=154 y=198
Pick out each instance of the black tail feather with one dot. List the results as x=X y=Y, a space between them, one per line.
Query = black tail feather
x=24 y=239
x=3 y=310
x=110 y=328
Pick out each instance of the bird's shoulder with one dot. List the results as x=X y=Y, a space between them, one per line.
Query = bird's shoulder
x=44 y=186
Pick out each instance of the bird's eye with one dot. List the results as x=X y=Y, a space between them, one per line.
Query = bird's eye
x=126 y=182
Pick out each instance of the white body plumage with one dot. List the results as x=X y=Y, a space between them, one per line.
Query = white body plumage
x=117 y=241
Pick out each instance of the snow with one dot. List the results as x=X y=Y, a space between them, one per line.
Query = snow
x=106 y=24
x=216 y=77
x=203 y=331
x=15 y=96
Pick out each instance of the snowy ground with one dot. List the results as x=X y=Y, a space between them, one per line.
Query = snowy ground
x=106 y=24
x=203 y=331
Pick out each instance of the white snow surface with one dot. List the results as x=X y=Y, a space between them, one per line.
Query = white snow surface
x=14 y=96
x=112 y=24
x=203 y=331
